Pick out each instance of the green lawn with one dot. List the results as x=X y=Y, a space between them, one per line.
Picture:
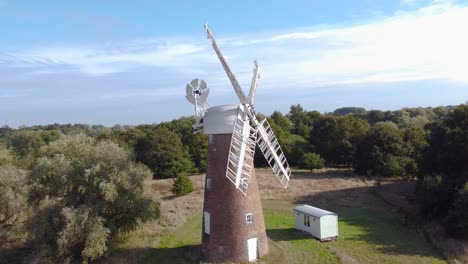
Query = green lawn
x=365 y=236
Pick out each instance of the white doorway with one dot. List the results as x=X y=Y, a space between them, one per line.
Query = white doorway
x=252 y=248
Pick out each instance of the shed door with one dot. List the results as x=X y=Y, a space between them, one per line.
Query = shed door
x=252 y=248
x=206 y=217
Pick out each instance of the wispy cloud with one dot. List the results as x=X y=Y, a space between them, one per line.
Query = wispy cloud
x=428 y=43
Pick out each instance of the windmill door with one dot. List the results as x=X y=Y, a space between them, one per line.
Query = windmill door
x=252 y=248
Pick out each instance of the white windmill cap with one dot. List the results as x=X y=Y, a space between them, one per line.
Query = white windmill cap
x=220 y=119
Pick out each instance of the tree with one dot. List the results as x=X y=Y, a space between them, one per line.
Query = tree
x=12 y=194
x=85 y=194
x=182 y=185
x=457 y=218
x=313 y=161
x=25 y=145
x=336 y=137
x=195 y=144
x=350 y=110
x=302 y=120
x=294 y=147
x=389 y=151
x=446 y=158
x=50 y=136
x=162 y=151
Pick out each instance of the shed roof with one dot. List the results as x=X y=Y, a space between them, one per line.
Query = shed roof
x=313 y=211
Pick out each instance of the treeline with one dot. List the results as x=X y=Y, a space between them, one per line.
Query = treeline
x=426 y=144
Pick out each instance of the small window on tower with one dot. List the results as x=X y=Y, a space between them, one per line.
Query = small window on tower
x=210 y=139
x=208 y=183
x=249 y=218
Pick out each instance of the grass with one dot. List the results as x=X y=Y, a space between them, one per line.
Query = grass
x=365 y=236
x=181 y=246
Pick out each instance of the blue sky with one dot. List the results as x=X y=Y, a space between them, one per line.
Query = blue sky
x=109 y=62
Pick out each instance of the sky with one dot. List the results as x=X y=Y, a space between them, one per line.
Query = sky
x=127 y=62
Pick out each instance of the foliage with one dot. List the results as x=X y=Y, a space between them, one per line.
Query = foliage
x=13 y=194
x=447 y=157
x=86 y=192
x=182 y=185
x=336 y=137
x=457 y=218
x=195 y=144
x=5 y=157
x=389 y=151
x=313 y=161
x=25 y=145
x=302 y=120
x=294 y=148
x=162 y=151
x=350 y=110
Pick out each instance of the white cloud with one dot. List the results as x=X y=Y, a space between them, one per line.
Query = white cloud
x=427 y=43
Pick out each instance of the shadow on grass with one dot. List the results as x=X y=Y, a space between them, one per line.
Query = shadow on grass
x=182 y=254
x=331 y=173
x=286 y=234
x=367 y=220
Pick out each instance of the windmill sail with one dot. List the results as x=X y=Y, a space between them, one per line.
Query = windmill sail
x=273 y=153
x=244 y=137
x=228 y=71
x=241 y=152
x=253 y=86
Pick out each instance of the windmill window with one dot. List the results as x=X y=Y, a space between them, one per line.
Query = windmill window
x=249 y=218
x=208 y=183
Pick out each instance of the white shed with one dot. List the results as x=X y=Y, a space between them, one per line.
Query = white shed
x=320 y=223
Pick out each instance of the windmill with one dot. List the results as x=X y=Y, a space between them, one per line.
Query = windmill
x=233 y=224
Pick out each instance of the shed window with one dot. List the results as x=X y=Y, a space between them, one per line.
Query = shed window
x=249 y=218
x=306 y=220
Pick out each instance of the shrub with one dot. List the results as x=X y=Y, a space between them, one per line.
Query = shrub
x=12 y=194
x=182 y=185
x=86 y=193
x=313 y=161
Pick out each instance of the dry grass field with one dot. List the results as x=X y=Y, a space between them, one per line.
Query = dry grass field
x=367 y=223
x=377 y=223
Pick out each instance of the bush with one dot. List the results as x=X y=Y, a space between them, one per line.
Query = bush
x=12 y=194
x=86 y=193
x=313 y=161
x=182 y=185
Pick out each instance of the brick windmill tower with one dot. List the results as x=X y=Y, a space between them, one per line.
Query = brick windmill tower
x=233 y=224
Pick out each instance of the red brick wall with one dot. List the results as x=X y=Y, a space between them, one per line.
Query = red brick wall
x=227 y=207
